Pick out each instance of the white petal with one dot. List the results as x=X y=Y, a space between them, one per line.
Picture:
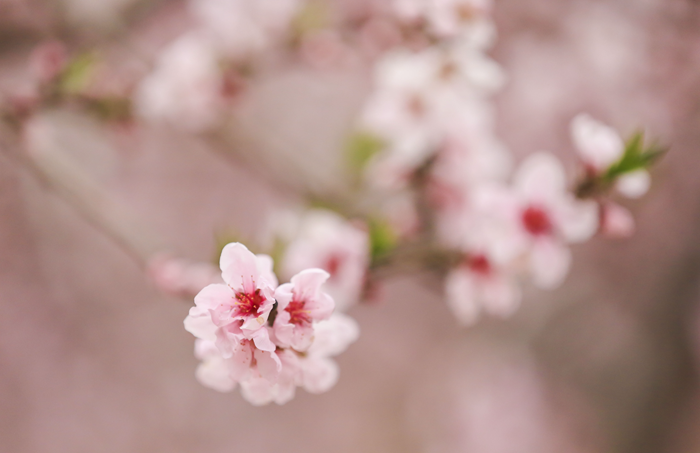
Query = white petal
x=319 y=374
x=199 y=324
x=334 y=335
x=635 y=184
x=239 y=267
x=214 y=373
x=540 y=177
x=549 y=262
x=598 y=144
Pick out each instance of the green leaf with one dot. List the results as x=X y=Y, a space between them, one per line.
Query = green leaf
x=382 y=238
x=78 y=73
x=637 y=156
x=361 y=147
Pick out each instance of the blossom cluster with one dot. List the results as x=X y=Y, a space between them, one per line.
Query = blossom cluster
x=197 y=74
x=265 y=337
x=432 y=116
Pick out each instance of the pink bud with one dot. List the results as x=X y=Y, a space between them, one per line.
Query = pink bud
x=616 y=221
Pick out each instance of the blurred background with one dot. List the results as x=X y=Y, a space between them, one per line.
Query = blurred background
x=94 y=358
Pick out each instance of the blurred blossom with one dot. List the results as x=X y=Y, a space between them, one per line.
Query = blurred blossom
x=616 y=221
x=181 y=277
x=48 y=60
x=635 y=184
x=478 y=285
x=598 y=145
x=185 y=88
x=241 y=28
x=537 y=217
x=327 y=241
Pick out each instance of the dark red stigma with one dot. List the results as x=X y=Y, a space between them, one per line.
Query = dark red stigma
x=297 y=314
x=536 y=221
x=479 y=264
x=249 y=303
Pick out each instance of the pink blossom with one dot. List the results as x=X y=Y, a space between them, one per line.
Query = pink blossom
x=300 y=304
x=327 y=241
x=227 y=313
x=598 y=145
x=48 y=60
x=616 y=221
x=244 y=27
x=464 y=19
x=477 y=285
x=181 y=277
x=185 y=88
x=536 y=218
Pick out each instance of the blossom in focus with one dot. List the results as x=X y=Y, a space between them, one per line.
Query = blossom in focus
x=479 y=285
x=300 y=304
x=536 y=218
x=185 y=88
x=315 y=371
x=228 y=313
x=327 y=241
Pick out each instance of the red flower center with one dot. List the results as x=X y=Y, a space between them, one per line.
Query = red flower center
x=536 y=221
x=479 y=264
x=297 y=314
x=248 y=304
x=333 y=263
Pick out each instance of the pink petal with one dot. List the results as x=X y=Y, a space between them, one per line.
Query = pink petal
x=239 y=363
x=549 y=263
x=213 y=296
x=262 y=341
x=239 y=267
x=284 y=295
x=258 y=391
x=269 y=365
x=319 y=374
x=199 y=324
x=213 y=373
x=334 y=335
x=307 y=283
x=540 y=177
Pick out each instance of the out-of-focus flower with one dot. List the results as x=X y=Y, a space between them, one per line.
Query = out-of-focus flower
x=181 y=277
x=538 y=217
x=423 y=100
x=300 y=304
x=634 y=184
x=48 y=60
x=185 y=89
x=327 y=241
x=241 y=28
x=468 y=20
x=598 y=145
x=477 y=285
x=616 y=221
